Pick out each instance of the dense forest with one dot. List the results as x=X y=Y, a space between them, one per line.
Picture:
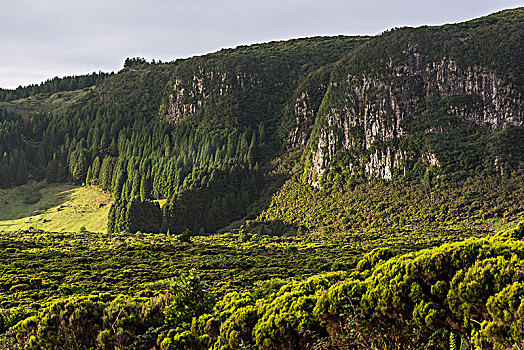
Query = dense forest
x=54 y=85
x=204 y=133
x=115 y=138
x=324 y=193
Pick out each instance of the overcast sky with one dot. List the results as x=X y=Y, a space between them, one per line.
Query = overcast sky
x=40 y=39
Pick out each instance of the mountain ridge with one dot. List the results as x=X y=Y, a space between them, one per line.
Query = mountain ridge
x=422 y=103
x=323 y=193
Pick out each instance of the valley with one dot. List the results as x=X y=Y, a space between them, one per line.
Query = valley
x=345 y=192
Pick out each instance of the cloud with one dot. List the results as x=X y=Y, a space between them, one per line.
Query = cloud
x=41 y=39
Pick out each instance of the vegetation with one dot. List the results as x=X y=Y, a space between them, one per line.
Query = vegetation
x=468 y=291
x=111 y=137
x=56 y=207
x=54 y=85
x=202 y=133
x=408 y=83
x=169 y=205
x=479 y=203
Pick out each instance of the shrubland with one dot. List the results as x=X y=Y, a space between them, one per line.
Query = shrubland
x=457 y=295
x=365 y=190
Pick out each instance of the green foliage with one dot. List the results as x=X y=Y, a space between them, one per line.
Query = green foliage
x=54 y=85
x=185 y=237
x=400 y=207
x=468 y=291
x=95 y=321
x=362 y=263
x=190 y=298
x=133 y=216
x=374 y=257
x=221 y=197
x=288 y=320
x=413 y=298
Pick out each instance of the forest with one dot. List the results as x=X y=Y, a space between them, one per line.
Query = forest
x=347 y=192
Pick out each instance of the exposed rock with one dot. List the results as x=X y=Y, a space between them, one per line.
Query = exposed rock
x=189 y=95
x=304 y=113
x=379 y=107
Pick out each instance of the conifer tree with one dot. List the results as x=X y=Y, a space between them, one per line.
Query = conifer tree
x=145 y=189
x=21 y=176
x=52 y=170
x=88 y=176
x=95 y=168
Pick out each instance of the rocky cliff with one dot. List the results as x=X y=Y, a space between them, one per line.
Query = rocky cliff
x=386 y=114
x=250 y=85
x=406 y=101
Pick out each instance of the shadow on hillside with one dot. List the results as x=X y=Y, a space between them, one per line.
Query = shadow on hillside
x=274 y=183
x=271 y=228
x=31 y=200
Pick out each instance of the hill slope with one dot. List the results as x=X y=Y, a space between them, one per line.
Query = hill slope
x=59 y=207
x=448 y=99
x=429 y=106
x=374 y=169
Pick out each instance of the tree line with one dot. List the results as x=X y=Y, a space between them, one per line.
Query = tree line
x=56 y=84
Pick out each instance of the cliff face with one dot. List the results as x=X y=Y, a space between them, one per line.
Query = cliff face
x=381 y=108
x=188 y=95
x=413 y=98
x=394 y=113
x=303 y=107
x=250 y=85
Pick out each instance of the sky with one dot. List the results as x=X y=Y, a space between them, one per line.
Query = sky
x=41 y=39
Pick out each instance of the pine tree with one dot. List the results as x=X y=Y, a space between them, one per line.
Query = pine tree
x=113 y=148
x=135 y=185
x=252 y=151
x=21 y=176
x=117 y=191
x=167 y=146
x=106 y=173
x=88 y=176
x=103 y=147
x=95 y=141
x=145 y=189
x=79 y=166
x=95 y=168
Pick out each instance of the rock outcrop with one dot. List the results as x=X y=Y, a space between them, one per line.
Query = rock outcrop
x=374 y=116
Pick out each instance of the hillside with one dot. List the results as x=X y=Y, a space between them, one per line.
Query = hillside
x=322 y=193
x=447 y=100
x=59 y=207
x=427 y=105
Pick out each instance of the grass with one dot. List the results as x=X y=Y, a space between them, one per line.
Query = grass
x=60 y=207
x=45 y=102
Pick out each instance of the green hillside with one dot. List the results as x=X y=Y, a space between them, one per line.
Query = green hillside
x=63 y=207
x=428 y=105
x=429 y=101
x=318 y=193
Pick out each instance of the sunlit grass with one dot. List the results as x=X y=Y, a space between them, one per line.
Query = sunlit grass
x=63 y=207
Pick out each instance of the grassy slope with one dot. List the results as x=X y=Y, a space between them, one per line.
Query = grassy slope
x=62 y=207
x=45 y=102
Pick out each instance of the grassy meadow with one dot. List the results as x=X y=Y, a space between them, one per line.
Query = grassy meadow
x=58 y=208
